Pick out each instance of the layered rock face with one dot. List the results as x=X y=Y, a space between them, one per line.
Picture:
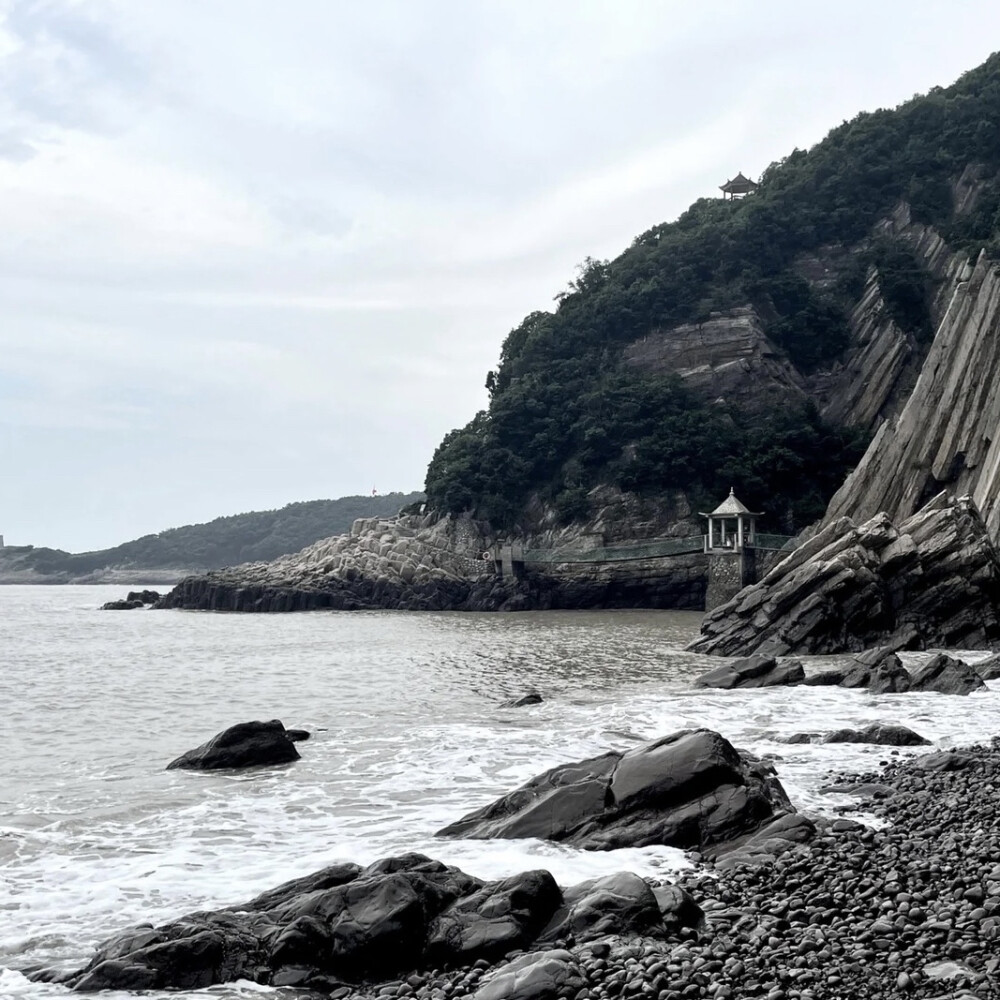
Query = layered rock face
x=932 y=581
x=427 y=562
x=349 y=925
x=727 y=357
x=410 y=562
x=690 y=790
x=948 y=434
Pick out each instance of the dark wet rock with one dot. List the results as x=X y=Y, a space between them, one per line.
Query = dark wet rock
x=879 y=670
x=692 y=789
x=134 y=599
x=879 y=733
x=621 y=903
x=890 y=677
x=395 y=921
x=945 y=675
x=298 y=735
x=933 y=579
x=144 y=596
x=248 y=744
x=753 y=672
x=542 y=976
x=494 y=920
x=530 y=698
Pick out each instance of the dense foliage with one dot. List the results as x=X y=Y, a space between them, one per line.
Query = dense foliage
x=226 y=541
x=563 y=413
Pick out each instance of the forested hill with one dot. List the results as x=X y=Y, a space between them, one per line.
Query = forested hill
x=567 y=412
x=226 y=541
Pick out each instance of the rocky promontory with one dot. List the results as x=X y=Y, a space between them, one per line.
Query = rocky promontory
x=933 y=580
x=412 y=562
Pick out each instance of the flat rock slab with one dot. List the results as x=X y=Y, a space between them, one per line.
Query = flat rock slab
x=545 y=975
x=880 y=734
x=753 y=672
x=692 y=789
x=248 y=744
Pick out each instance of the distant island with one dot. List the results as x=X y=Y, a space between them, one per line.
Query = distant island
x=165 y=557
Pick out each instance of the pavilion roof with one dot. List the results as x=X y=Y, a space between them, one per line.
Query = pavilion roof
x=731 y=507
x=738 y=183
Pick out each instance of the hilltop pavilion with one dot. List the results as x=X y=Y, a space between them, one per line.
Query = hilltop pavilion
x=738 y=187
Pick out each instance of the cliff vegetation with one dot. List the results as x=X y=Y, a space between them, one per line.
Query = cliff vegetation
x=567 y=413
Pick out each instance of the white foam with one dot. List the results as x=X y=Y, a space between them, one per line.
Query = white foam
x=408 y=736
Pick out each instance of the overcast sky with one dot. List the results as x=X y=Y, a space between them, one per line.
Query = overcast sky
x=255 y=252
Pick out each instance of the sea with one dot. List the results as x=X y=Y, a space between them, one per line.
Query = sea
x=409 y=733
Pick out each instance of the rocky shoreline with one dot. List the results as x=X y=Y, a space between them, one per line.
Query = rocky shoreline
x=908 y=911
x=906 y=908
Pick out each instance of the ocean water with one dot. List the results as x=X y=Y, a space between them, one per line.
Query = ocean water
x=408 y=735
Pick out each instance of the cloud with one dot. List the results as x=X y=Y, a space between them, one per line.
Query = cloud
x=262 y=252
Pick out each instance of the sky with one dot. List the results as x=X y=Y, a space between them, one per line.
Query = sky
x=257 y=252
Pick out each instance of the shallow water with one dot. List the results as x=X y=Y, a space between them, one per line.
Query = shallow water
x=407 y=735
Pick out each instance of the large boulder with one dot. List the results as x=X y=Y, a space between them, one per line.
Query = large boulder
x=933 y=580
x=692 y=789
x=753 y=672
x=622 y=903
x=946 y=675
x=351 y=925
x=248 y=744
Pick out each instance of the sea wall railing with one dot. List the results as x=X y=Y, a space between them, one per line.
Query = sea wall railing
x=652 y=549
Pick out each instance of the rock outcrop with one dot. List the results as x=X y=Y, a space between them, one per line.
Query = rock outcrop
x=948 y=434
x=933 y=581
x=428 y=563
x=350 y=925
x=690 y=790
x=945 y=675
x=413 y=562
x=248 y=744
x=728 y=356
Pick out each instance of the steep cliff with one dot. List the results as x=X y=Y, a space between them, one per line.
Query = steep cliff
x=688 y=362
x=948 y=433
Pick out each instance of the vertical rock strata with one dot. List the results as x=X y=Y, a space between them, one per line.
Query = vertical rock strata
x=932 y=581
x=948 y=434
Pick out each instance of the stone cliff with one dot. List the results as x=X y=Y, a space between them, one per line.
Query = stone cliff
x=933 y=408
x=948 y=433
x=930 y=580
x=428 y=562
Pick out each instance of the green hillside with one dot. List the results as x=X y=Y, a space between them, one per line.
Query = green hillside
x=565 y=414
x=226 y=541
